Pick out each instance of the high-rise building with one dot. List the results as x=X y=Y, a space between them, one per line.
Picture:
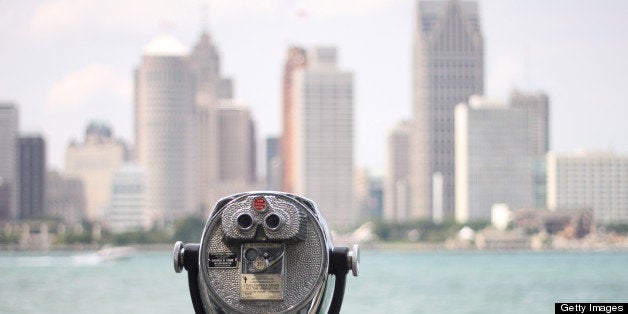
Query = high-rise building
x=181 y=134
x=65 y=197
x=237 y=145
x=127 y=211
x=296 y=60
x=32 y=173
x=273 y=163
x=8 y=161
x=209 y=88
x=396 y=190
x=320 y=135
x=165 y=128
x=496 y=154
x=589 y=180
x=448 y=68
x=537 y=107
x=237 y=151
x=95 y=161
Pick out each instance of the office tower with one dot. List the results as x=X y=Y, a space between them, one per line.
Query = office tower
x=32 y=173
x=209 y=88
x=8 y=161
x=296 y=60
x=538 y=108
x=589 y=180
x=165 y=128
x=127 y=211
x=396 y=189
x=65 y=198
x=320 y=135
x=94 y=161
x=237 y=151
x=448 y=68
x=495 y=157
x=273 y=163
x=237 y=143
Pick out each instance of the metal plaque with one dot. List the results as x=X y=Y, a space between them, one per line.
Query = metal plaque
x=261 y=276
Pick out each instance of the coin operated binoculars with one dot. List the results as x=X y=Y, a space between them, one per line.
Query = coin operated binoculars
x=266 y=252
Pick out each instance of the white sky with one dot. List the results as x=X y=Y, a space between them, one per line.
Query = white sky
x=65 y=62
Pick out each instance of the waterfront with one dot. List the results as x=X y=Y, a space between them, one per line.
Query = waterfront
x=390 y=281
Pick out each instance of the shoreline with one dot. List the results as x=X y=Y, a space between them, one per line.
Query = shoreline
x=375 y=247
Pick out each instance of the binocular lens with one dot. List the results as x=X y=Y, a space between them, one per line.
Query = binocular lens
x=272 y=221
x=245 y=221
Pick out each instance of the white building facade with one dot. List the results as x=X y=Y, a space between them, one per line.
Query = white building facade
x=165 y=128
x=323 y=138
x=396 y=189
x=589 y=180
x=495 y=158
x=8 y=161
x=127 y=211
x=94 y=162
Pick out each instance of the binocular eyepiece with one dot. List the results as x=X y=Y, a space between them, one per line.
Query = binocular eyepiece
x=266 y=252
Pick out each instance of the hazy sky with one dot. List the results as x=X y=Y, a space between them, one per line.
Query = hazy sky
x=65 y=62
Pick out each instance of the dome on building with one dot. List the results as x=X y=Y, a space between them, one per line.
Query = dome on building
x=165 y=45
x=98 y=128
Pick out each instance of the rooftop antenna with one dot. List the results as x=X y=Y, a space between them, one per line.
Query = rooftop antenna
x=205 y=16
x=526 y=56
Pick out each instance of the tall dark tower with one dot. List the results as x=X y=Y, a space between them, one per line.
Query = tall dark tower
x=448 y=68
x=32 y=172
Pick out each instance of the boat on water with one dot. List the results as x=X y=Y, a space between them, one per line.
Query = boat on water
x=106 y=254
x=115 y=253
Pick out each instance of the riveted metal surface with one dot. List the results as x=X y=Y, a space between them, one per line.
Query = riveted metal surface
x=306 y=261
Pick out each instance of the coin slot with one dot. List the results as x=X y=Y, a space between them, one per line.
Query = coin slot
x=251 y=254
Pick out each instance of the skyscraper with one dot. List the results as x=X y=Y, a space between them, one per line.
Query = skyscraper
x=273 y=163
x=165 y=128
x=396 y=193
x=320 y=134
x=448 y=68
x=32 y=172
x=537 y=107
x=8 y=161
x=237 y=144
x=496 y=155
x=237 y=151
x=209 y=87
x=95 y=161
x=296 y=60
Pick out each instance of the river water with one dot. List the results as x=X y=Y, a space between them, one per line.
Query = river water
x=389 y=282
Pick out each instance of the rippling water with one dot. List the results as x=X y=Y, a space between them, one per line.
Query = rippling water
x=389 y=282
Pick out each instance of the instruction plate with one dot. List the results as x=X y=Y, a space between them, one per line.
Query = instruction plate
x=261 y=287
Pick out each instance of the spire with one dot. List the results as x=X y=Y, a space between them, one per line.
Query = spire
x=205 y=17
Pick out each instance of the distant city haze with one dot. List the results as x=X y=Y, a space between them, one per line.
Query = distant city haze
x=67 y=62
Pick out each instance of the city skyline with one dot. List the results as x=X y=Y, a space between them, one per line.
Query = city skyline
x=61 y=71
